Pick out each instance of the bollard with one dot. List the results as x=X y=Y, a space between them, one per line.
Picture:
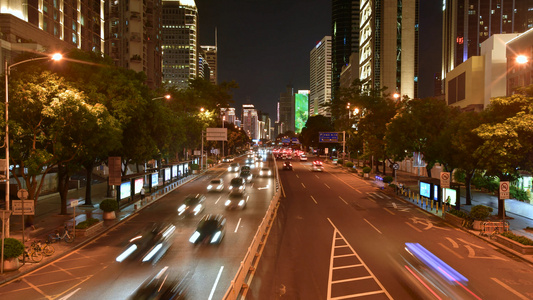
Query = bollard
x=437 y=207
x=431 y=205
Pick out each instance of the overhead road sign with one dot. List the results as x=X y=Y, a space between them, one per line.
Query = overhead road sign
x=217 y=134
x=328 y=137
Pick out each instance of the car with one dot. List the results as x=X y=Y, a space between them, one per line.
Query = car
x=162 y=286
x=192 y=205
x=237 y=185
x=150 y=244
x=226 y=160
x=249 y=161
x=210 y=229
x=234 y=167
x=236 y=201
x=317 y=168
x=247 y=175
x=287 y=165
x=265 y=172
x=216 y=185
x=246 y=168
x=303 y=157
x=317 y=163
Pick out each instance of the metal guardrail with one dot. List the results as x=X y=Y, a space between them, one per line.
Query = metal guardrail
x=239 y=285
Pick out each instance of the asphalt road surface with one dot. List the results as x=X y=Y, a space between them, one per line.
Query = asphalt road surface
x=91 y=271
x=340 y=237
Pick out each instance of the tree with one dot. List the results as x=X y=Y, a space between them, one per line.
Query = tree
x=309 y=136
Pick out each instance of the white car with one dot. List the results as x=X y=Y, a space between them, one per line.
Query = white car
x=215 y=185
x=265 y=172
x=303 y=157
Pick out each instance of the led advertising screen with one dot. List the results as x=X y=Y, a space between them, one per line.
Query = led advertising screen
x=425 y=189
x=138 y=185
x=167 y=173
x=155 y=179
x=301 y=109
x=125 y=190
x=436 y=192
x=452 y=194
x=174 y=171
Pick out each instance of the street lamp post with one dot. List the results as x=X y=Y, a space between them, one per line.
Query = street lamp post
x=7 y=69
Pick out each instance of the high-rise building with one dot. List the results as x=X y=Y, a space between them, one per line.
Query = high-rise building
x=344 y=36
x=301 y=109
x=250 y=123
x=286 y=110
x=320 y=77
x=180 y=42
x=229 y=114
x=388 y=49
x=468 y=23
x=210 y=54
x=203 y=66
x=133 y=36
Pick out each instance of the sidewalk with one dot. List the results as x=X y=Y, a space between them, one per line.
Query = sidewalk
x=48 y=220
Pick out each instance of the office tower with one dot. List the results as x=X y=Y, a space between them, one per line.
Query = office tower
x=286 y=110
x=203 y=65
x=229 y=114
x=250 y=123
x=320 y=77
x=210 y=54
x=344 y=37
x=133 y=38
x=301 y=109
x=468 y=23
x=180 y=42
x=388 y=50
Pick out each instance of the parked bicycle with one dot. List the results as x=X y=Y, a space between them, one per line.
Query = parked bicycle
x=67 y=236
x=46 y=248
x=32 y=252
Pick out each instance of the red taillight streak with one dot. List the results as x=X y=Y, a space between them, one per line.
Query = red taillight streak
x=422 y=282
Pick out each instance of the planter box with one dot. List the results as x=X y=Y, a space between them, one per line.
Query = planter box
x=516 y=246
x=91 y=230
x=454 y=220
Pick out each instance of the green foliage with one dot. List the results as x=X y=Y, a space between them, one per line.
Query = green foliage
x=392 y=185
x=367 y=170
x=518 y=238
x=109 y=205
x=87 y=223
x=195 y=167
x=388 y=179
x=340 y=162
x=486 y=182
x=309 y=136
x=459 y=213
x=518 y=193
x=459 y=175
x=349 y=164
x=13 y=248
x=210 y=161
x=480 y=212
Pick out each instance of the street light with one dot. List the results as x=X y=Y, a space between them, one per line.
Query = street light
x=165 y=97
x=7 y=69
x=521 y=59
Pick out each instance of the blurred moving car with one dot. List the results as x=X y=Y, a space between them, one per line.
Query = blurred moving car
x=162 y=286
x=265 y=172
x=249 y=161
x=237 y=185
x=192 y=205
x=149 y=244
x=287 y=165
x=247 y=175
x=303 y=157
x=210 y=229
x=216 y=185
x=317 y=166
x=234 y=167
x=236 y=201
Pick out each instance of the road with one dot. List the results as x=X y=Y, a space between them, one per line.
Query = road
x=91 y=272
x=338 y=236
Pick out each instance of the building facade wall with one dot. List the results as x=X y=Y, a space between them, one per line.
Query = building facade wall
x=466 y=83
x=320 y=77
x=519 y=75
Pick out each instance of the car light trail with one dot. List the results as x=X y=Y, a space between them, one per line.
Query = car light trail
x=435 y=263
x=126 y=253
x=152 y=253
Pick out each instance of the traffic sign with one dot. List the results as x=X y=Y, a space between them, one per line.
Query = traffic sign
x=445 y=180
x=29 y=208
x=328 y=137
x=504 y=190
x=74 y=203
x=395 y=166
x=22 y=194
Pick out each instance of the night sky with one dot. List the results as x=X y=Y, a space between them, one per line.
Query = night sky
x=265 y=45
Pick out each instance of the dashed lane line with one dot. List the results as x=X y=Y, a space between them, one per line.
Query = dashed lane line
x=303 y=184
x=372 y=226
x=343 y=200
x=413 y=226
x=519 y=295
x=314 y=199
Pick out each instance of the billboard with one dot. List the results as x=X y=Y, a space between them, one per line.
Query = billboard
x=125 y=190
x=425 y=189
x=155 y=179
x=138 y=184
x=301 y=109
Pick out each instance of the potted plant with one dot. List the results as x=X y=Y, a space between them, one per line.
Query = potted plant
x=109 y=206
x=88 y=227
x=13 y=248
x=366 y=170
x=195 y=168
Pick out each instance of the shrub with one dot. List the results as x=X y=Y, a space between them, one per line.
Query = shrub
x=480 y=212
x=13 y=248
x=340 y=162
x=388 y=179
x=518 y=193
x=210 y=161
x=87 y=223
x=518 y=238
x=109 y=205
x=195 y=167
x=349 y=164
x=487 y=182
x=459 y=213
x=366 y=170
x=392 y=185
x=459 y=175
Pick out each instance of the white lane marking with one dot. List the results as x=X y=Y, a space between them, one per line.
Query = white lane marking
x=238 y=223
x=413 y=226
x=314 y=199
x=216 y=282
x=509 y=288
x=37 y=289
x=297 y=176
x=327 y=186
x=69 y=295
x=317 y=176
x=373 y=226
x=390 y=212
x=453 y=252
x=394 y=205
x=379 y=195
x=303 y=184
x=343 y=200
x=454 y=243
x=218 y=199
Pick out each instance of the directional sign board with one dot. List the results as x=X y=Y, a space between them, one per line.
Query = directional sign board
x=28 y=207
x=328 y=137
x=295 y=141
x=216 y=134
x=445 y=180
x=504 y=190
